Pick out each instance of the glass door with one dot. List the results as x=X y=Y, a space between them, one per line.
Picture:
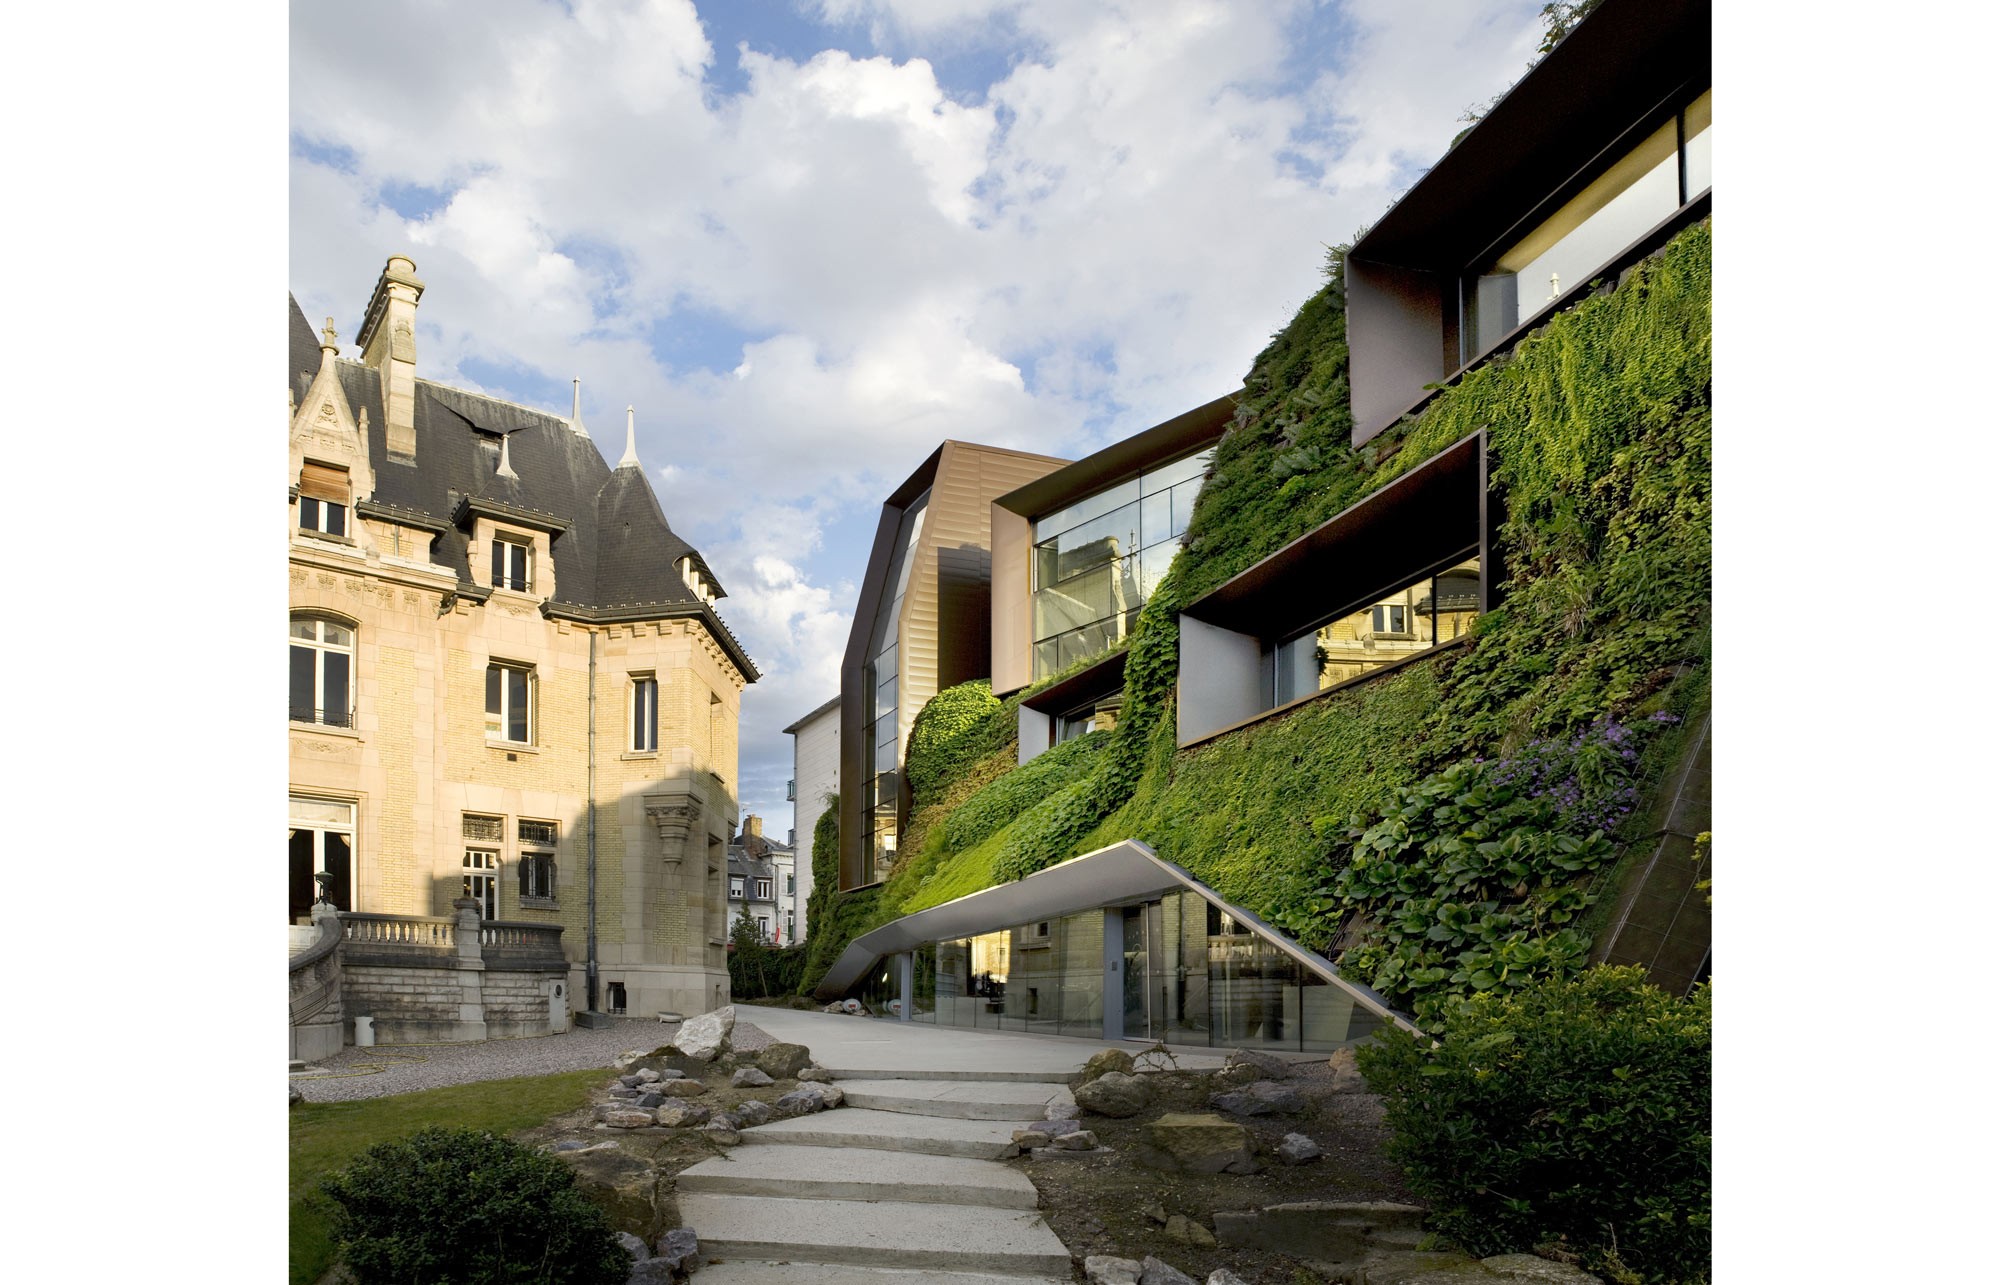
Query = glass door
x=1138 y=1023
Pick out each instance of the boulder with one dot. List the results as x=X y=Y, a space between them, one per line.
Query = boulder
x=628 y=1057
x=633 y=1081
x=1028 y=1139
x=679 y=1249
x=1114 y=1094
x=1328 y=1231
x=647 y=1074
x=1268 y=1067
x=799 y=1102
x=681 y=1114
x=680 y=1088
x=1203 y=1143
x=753 y=1113
x=1262 y=1098
x=1223 y=1276
x=652 y=1271
x=1156 y=1211
x=1189 y=1232
x=1103 y=1269
x=1104 y=1061
x=1346 y=1076
x=722 y=1133
x=647 y=1101
x=783 y=1061
x=1058 y=1123
x=634 y=1245
x=621 y=1118
x=749 y=1077
x=619 y=1183
x=1154 y=1272
x=830 y=1095
x=706 y=1037
x=623 y=1092
x=1298 y=1149
x=814 y=1074
x=1081 y=1140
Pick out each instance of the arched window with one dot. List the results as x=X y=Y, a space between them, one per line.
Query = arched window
x=322 y=672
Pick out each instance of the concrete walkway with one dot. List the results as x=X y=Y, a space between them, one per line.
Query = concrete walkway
x=862 y=1048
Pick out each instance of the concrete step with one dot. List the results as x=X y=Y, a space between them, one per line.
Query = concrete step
x=889 y=1131
x=744 y=1271
x=960 y=1099
x=991 y=1077
x=828 y=1173
x=867 y=1233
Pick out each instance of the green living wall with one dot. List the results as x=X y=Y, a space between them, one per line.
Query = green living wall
x=1457 y=816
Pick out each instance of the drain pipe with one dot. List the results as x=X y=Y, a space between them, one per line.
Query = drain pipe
x=590 y=841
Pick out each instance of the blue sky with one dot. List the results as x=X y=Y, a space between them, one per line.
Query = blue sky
x=809 y=239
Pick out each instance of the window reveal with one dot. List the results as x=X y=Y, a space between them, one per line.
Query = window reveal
x=322 y=663
x=509 y=702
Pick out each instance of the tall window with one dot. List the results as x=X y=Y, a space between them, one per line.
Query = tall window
x=321 y=841
x=510 y=563
x=479 y=867
x=645 y=712
x=537 y=859
x=322 y=672
x=510 y=691
x=763 y=890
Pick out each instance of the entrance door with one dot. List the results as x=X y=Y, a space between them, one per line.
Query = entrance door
x=1138 y=1018
x=482 y=881
x=320 y=840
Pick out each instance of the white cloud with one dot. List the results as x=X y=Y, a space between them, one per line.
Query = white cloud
x=1104 y=240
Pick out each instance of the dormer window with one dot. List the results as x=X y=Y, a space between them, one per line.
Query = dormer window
x=324 y=493
x=698 y=584
x=511 y=562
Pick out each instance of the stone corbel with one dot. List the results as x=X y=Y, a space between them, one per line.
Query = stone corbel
x=674 y=817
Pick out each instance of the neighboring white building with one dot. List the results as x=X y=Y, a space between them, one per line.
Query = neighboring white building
x=815 y=775
x=763 y=882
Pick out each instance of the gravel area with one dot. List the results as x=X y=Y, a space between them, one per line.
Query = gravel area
x=356 y=1073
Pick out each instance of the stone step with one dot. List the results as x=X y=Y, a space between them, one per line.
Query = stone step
x=890 y=1131
x=886 y=1233
x=990 y=1077
x=960 y=1099
x=744 y=1271
x=827 y=1173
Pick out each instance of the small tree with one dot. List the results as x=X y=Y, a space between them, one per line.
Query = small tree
x=466 y=1207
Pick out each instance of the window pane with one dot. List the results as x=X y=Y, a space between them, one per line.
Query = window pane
x=1179 y=471
x=335 y=635
x=1156 y=517
x=333 y=666
x=304 y=698
x=336 y=519
x=308 y=514
x=1184 y=497
x=299 y=864
x=308 y=629
x=517 y=705
x=499 y=563
x=492 y=689
x=1086 y=509
x=340 y=864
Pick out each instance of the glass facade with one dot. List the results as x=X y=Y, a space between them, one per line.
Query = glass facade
x=1417 y=617
x=1096 y=561
x=886 y=727
x=1190 y=974
x=1639 y=190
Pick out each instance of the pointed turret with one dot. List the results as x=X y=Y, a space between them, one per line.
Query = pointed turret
x=630 y=459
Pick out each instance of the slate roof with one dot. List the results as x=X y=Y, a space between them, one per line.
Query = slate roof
x=614 y=552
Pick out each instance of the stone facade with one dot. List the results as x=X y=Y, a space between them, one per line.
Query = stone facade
x=407 y=782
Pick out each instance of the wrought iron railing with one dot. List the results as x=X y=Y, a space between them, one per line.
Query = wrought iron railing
x=323 y=717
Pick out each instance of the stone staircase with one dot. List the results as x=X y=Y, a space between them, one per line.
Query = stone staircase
x=902 y=1186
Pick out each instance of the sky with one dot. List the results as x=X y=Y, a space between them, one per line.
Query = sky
x=807 y=240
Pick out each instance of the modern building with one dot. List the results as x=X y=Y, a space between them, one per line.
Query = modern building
x=815 y=779
x=921 y=625
x=1594 y=161
x=1076 y=553
x=510 y=689
x=763 y=884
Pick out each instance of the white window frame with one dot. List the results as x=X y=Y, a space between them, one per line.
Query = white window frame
x=645 y=706
x=322 y=826
x=736 y=887
x=319 y=519
x=497 y=721
x=763 y=889
x=763 y=928
x=321 y=647
x=479 y=875
x=505 y=546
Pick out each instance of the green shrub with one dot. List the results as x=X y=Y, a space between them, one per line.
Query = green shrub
x=1017 y=791
x=1574 y=1110
x=945 y=736
x=459 y=1207
x=758 y=969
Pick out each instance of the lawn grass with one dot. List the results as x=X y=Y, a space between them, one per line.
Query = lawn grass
x=326 y=1135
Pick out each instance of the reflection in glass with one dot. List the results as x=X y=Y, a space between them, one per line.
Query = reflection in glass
x=1415 y=618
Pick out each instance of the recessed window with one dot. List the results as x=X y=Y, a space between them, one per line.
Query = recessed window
x=791 y=885
x=763 y=890
x=1415 y=618
x=480 y=871
x=645 y=713
x=537 y=861
x=321 y=854
x=763 y=928
x=511 y=563
x=510 y=691
x=324 y=492
x=322 y=665
x=614 y=997
x=322 y=515
x=735 y=888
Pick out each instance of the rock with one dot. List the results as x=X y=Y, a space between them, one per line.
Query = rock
x=297 y=1097
x=681 y=1114
x=1235 y=1077
x=1156 y=1212
x=1114 y=1094
x=1027 y=1139
x=799 y=1102
x=1154 y=1272
x=830 y=1095
x=1329 y=1231
x=1346 y=1075
x=1060 y=1112
x=633 y=1081
x=722 y=1134
x=1411 y=1268
x=680 y=1088
x=1268 y=1067
x=621 y=1184
x=783 y=1061
x=679 y=1248
x=1261 y=1098
x=635 y=1246
x=749 y=1077
x=622 y=1092
x=1203 y=1143
x=1189 y=1232
x=1103 y=1269
x=1223 y=1276
x=706 y=1037
x=1081 y=1140
x=647 y=1101
x=624 y=1119
x=753 y=1113
x=837 y=1006
x=668 y=1075
x=1103 y=1061
x=1297 y=1149
x=1529 y=1267
x=814 y=1074
x=647 y=1074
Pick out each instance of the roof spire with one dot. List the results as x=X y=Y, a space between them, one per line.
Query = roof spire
x=576 y=409
x=506 y=468
x=631 y=456
x=329 y=337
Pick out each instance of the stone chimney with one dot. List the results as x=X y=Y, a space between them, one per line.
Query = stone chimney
x=753 y=826
x=389 y=344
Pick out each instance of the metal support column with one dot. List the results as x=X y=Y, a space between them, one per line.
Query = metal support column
x=1114 y=974
x=906 y=989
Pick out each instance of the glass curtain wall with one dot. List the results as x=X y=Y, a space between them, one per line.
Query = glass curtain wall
x=1097 y=560
x=883 y=735
x=1640 y=189
x=1415 y=618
